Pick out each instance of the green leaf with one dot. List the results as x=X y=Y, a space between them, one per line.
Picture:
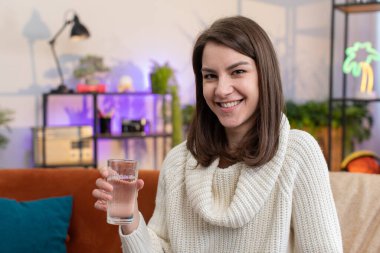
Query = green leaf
x=313 y=116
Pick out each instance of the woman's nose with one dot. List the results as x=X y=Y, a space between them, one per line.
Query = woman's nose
x=224 y=87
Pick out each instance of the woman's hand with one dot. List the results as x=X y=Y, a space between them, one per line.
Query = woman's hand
x=104 y=189
x=103 y=193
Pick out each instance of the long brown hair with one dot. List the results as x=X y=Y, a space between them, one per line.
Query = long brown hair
x=206 y=138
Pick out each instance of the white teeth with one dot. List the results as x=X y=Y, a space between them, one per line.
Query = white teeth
x=229 y=104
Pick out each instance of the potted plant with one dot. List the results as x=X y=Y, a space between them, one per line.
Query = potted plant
x=160 y=77
x=5 y=118
x=163 y=81
x=88 y=71
x=312 y=116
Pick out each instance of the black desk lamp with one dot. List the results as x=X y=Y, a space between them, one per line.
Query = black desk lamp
x=78 y=32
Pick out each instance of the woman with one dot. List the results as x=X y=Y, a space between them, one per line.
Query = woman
x=243 y=181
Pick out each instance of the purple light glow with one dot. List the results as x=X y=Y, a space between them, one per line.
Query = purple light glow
x=78 y=110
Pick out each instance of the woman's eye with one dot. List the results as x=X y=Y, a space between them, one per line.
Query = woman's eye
x=238 y=72
x=209 y=76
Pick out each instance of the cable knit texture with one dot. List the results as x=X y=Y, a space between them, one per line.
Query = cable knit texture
x=285 y=205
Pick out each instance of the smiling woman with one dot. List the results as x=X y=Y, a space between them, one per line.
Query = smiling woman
x=243 y=181
x=240 y=50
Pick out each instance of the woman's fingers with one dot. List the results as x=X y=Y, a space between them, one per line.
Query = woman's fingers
x=103 y=184
x=101 y=205
x=103 y=190
x=101 y=195
x=104 y=172
x=139 y=184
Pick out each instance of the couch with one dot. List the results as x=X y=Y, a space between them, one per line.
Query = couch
x=356 y=197
x=88 y=231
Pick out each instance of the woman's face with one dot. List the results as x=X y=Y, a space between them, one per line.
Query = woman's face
x=230 y=87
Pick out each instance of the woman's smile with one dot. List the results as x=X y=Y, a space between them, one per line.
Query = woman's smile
x=229 y=104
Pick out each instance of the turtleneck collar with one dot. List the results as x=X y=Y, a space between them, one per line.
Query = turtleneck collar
x=252 y=190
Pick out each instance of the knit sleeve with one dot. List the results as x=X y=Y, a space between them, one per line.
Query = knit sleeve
x=151 y=238
x=314 y=217
x=157 y=225
x=138 y=240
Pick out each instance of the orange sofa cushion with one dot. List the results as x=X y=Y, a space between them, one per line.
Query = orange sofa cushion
x=88 y=230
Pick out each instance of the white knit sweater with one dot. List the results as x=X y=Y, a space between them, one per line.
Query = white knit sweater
x=285 y=205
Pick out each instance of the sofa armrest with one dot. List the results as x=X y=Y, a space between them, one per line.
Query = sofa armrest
x=147 y=195
x=358 y=205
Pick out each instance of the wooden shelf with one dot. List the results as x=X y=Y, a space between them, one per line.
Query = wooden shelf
x=364 y=100
x=105 y=94
x=96 y=137
x=132 y=135
x=358 y=7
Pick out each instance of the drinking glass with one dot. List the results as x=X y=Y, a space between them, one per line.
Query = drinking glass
x=122 y=175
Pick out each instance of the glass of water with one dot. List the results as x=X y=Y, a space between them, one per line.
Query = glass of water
x=122 y=175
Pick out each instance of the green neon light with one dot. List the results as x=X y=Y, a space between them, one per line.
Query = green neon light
x=364 y=68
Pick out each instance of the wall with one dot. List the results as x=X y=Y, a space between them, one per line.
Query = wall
x=129 y=35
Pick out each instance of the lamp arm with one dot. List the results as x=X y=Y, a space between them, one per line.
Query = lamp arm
x=52 y=41
x=57 y=63
x=52 y=45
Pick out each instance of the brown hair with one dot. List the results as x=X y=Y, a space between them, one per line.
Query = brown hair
x=206 y=138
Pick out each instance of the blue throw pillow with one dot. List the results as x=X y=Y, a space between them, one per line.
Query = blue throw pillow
x=38 y=226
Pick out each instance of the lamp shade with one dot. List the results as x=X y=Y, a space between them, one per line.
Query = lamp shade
x=78 y=31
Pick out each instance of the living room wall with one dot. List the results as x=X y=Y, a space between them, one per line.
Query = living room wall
x=129 y=35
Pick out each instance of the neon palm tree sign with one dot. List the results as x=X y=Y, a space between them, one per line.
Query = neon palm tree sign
x=353 y=65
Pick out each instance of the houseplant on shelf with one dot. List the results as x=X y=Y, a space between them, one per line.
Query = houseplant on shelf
x=161 y=76
x=312 y=117
x=89 y=70
x=5 y=119
x=163 y=81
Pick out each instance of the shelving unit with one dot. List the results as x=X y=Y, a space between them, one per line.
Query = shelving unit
x=347 y=9
x=153 y=134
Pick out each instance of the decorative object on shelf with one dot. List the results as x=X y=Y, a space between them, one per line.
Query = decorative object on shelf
x=161 y=76
x=5 y=119
x=105 y=125
x=362 y=161
x=105 y=120
x=89 y=69
x=85 y=88
x=355 y=66
x=74 y=143
x=78 y=32
x=125 y=84
x=133 y=125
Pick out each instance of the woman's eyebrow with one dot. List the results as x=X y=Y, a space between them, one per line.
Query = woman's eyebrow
x=207 y=70
x=237 y=64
